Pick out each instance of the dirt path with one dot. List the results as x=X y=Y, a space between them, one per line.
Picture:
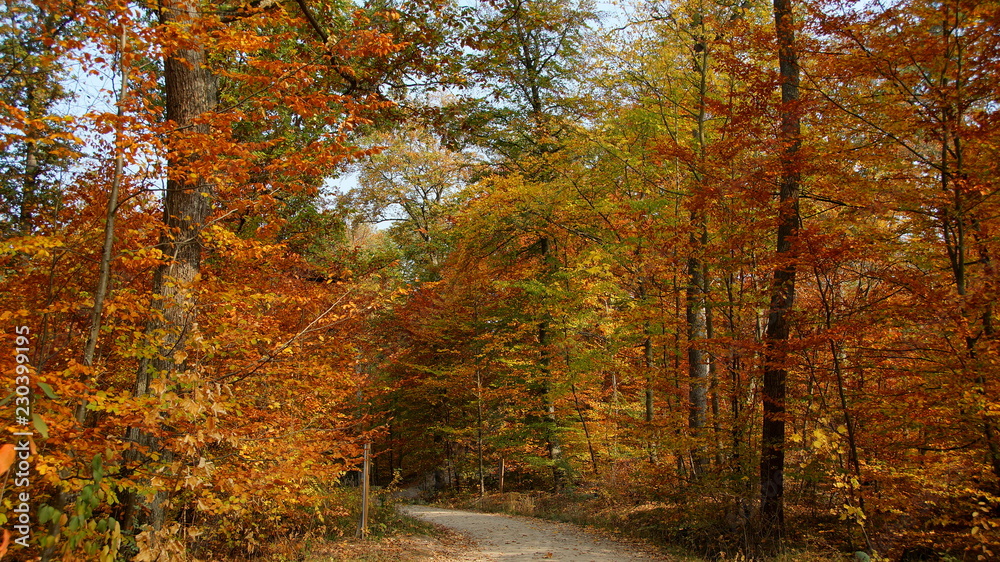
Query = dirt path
x=505 y=538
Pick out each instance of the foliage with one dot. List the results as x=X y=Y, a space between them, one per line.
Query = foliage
x=595 y=232
x=574 y=291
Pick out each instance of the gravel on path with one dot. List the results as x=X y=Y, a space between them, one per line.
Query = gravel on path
x=506 y=538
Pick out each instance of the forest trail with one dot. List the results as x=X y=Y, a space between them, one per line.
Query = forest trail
x=506 y=538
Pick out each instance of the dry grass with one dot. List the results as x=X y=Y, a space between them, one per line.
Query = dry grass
x=444 y=546
x=409 y=540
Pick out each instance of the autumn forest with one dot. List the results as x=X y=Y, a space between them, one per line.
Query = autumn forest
x=721 y=272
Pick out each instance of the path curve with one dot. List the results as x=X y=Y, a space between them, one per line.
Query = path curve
x=505 y=538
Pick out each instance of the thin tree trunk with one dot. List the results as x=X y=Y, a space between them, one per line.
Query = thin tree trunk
x=479 y=429
x=852 y=443
x=698 y=371
x=696 y=306
x=104 y=276
x=734 y=365
x=713 y=389
x=647 y=355
x=545 y=361
x=677 y=352
x=586 y=432
x=989 y=333
x=32 y=169
x=30 y=187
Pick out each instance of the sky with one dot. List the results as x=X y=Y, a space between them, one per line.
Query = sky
x=94 y=90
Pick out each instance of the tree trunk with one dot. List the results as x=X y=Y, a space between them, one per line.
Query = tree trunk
x=545 y=361
x=697 y=360
x=479 y=429
x=104 y=275
x=696 y=306
x=32 y=169
x=647 y=354
x=772 y=461
x=190 y=95
x=586 y=432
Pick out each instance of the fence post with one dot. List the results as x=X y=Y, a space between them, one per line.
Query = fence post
x=363 y=526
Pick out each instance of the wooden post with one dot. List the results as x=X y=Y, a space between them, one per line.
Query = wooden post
x=363 y=527
x=501 y=475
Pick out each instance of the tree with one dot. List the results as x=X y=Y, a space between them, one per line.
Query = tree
x=936 y=113
x=223 y=155
x=413 y=184
x=37 y=143
x=190 y=96
x=526 y=49
x=772 y=462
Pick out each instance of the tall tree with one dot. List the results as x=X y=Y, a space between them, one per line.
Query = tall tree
x=190 y=97
x=525 y=50
x=926 y=63
x=207 y=161
x=776 y=356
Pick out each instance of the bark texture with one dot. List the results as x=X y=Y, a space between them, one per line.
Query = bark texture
x=190 y=97
x=772 y=461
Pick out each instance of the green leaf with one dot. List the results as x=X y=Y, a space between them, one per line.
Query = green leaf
x=86 y=494
x=40 y=425
x=47 y=389
x=97 y=468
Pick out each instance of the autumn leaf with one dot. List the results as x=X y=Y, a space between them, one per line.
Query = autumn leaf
x=7 y=457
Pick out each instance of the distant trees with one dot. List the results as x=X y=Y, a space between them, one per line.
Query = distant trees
x=37 y=142
x=719 y=249
x=412 y=184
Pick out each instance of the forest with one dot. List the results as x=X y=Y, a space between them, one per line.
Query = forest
x=721 y=270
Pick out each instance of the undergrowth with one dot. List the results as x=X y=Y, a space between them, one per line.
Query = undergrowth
x=332 y=536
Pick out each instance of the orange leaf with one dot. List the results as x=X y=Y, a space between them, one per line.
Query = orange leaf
x=6 y=457
x=6 y=533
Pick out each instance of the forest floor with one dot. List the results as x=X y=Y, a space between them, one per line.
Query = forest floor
x=441 y=545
